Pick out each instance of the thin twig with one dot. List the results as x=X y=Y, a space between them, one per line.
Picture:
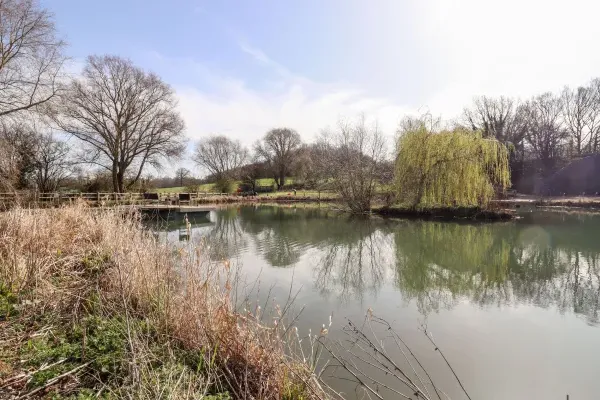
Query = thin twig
x=447 y=362
x=343 y=365
x=396 y=336
x=54 y=380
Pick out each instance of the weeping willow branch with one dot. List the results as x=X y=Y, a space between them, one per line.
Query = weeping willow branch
x=450 y=168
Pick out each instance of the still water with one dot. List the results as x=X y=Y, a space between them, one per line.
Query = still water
x=514 y=306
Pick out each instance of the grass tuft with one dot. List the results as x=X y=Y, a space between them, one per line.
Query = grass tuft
x=92 y=305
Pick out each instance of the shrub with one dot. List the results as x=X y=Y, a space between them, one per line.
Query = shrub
x=224 y=185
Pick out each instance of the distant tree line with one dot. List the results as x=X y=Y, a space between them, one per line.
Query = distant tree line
x=544 y=132
x=102 y=129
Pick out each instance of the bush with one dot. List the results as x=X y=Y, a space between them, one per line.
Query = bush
x=224 y=185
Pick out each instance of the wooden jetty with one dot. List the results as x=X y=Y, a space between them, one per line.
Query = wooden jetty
x=147 y=202
x=168 y=208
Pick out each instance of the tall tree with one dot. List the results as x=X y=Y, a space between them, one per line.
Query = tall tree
x=31 y=56
x=449 y=168
x=181 y=175
x=594 y=116
x=579 y=117
x=313 y=164
x=9 y=161
x=496 y=118
x=356 y=153
x=20 y=142
x=52 y=163
x=220 y=156
x=278 y=148
x=125 y=116
x=545 y=132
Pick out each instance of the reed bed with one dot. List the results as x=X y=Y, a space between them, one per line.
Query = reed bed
x=92 y=304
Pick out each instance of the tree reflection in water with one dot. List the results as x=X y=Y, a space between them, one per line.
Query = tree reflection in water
x=227 y=239
x=541 y=260
x=355 y=257
x=439 y=263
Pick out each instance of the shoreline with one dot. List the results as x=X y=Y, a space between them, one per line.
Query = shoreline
x=447 y=213
x=500 y=210
x=440 y=213
x=568 y=203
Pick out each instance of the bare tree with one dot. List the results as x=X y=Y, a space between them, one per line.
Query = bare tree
x=9 y=163
x=497 y=118
x=181 y=175
x=313 y=164
x=545 y=132
x=31 y=56
x=278 y=148
x=19 y=142
x=126 y=117
x=250 y=173
x=594 y=116
x=357 y=152
x=579 y=117
x=220 y=156
x=428 y=121
x=52 y=163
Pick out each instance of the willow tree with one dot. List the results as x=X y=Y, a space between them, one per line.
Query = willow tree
x=449 y=168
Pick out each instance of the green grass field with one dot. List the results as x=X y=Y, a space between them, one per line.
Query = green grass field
x=209 y=187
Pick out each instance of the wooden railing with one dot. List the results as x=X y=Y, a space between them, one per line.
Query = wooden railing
x=101 y=198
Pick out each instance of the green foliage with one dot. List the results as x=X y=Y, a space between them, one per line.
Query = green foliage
x=94 y=265
x=99 y=340
x=449 y=168
x=225 y=185
x=8 y=300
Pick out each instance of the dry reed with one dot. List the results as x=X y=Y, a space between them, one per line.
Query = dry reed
x=56 y=260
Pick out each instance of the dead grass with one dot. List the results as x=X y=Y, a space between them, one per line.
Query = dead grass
x=63 y=265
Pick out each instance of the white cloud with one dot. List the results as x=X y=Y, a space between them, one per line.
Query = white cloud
x=515 y=47
x=247 y=114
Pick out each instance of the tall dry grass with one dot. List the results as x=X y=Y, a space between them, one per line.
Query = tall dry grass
x=55 y=260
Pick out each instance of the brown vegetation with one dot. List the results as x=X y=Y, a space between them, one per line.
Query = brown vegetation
x=169 y=310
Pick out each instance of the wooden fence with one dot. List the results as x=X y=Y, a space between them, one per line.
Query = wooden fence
x=100 y=199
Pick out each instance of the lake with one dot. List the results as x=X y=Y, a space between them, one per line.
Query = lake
x=513 y=305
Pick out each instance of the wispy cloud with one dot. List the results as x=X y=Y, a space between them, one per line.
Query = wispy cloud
x=246 y=113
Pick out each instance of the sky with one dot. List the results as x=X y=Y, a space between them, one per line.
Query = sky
x=242 y=67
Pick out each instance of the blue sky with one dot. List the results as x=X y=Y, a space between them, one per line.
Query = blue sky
x=242 y=67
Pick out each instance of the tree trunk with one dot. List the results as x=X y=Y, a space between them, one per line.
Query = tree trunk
x=120 y=179
x=282 y=177
x=115 y=179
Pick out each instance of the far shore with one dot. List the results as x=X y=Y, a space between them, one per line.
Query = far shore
x=499 y=209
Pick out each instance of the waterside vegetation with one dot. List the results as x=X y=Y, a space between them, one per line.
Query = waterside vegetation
x=93 y=306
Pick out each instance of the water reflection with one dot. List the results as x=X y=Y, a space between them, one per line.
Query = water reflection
x=548 y=260
x=227 y=239
x=439 y=264
x=355 y=258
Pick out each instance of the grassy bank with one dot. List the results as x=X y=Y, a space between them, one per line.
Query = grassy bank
x=210 y=187
x=92 y=306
